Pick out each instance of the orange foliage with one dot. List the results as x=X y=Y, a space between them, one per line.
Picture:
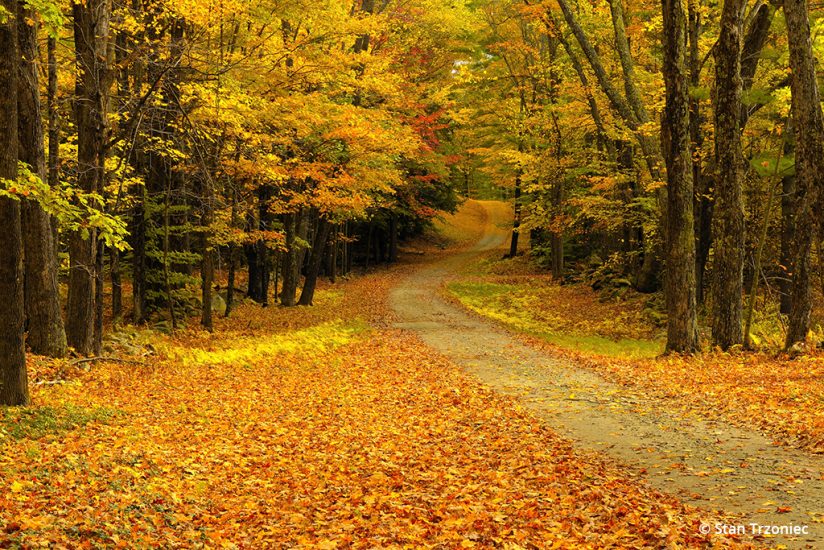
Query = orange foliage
x=377 y=443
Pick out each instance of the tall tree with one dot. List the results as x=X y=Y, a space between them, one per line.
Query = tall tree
x=44 y=318
x=808 y=125
x=679 y=286
x=13 y=380
x=91 y=43
x=728 y=268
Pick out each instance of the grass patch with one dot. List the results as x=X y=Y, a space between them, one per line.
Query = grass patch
x=551 y=315
x=240 y=350
x=39 y=422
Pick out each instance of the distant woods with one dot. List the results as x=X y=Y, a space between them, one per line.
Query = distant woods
x=670 y=146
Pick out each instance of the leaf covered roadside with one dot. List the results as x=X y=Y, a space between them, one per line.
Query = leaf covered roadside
x=777 y=394
x=352 y=437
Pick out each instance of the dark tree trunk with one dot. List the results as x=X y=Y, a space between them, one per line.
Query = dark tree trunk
x=44 y=317
x=369 y=243
x=91 y=30
x=54 y=128
x=13 y=379
x=138 y=242
x=393 y=237
x=728 y=266
x=787 y=234
x=702 y=205
x=117 y=285
x=679 y=287
x=754 y=42
x=808 y=125
x=288 y=295
x=516 y=223
x=315 y=260
x=207 y=266
x=97 y=339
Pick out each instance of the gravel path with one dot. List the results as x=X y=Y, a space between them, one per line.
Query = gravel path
x=710 y=464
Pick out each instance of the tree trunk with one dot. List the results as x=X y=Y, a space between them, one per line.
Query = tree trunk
x=54 y=119
x=207 y=266
x=290 y=261
x=808 y=125
x=13 y=378
x=117 y=285
x=46 y=334
x=787 y=235
x=702 y=204
x=628 y=67
x=91 y=31
x=516 y=223
x=757 y=34
x=315 y=260
x=679 y=287
x=393 y=237
x=728 y=266
x=137 y=231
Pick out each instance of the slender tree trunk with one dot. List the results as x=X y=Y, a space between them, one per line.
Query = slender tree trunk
x=702 y=206
x=117 y=285
x=91 y=30
x=627 y=65
x=315 y=260
x=679 y=287
x=13 y=378
x=47 y=335
x=138 y=243
x=369 y=243
x=393 y=237
x=333 y=264
x=756 y=38
x=54 y=119
x=516 y=223
x=787 y=236
x=728 y=266
x=207 y=267
x=808 y=124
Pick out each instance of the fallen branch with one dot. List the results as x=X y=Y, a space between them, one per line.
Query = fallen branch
x=104 y=358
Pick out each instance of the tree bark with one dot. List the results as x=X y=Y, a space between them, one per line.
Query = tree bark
x=91 y=31
x=516 y=223
x=315 y=260
x=728 y=267
x=616 y=8
x=679 y=286
x=290 y=261
x=754 y=42
x=808 y=125
x=13 y=378
x=54 y=119
x=44 y=317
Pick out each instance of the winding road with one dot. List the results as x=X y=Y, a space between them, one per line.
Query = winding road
x=698 y=460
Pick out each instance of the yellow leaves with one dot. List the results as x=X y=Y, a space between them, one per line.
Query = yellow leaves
x=314 y=340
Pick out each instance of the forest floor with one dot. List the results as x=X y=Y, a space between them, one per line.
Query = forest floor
x=385 y=416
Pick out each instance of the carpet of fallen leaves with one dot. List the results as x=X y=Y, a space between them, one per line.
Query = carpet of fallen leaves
x=778 y=394
x=308 y=428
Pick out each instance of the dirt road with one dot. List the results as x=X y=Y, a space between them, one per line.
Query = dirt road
x=707 y=463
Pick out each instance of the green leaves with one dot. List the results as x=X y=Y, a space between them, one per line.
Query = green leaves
x=73 y=209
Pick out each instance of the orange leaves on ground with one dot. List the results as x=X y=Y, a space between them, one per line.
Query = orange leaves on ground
x=378 y=442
